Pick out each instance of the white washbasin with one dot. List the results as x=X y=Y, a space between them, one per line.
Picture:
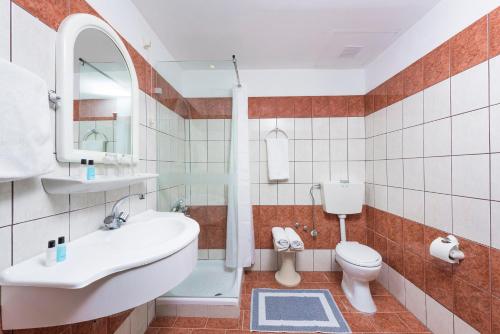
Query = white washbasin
x=146 y=257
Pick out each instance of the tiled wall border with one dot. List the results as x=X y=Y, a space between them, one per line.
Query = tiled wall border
x=471 y=289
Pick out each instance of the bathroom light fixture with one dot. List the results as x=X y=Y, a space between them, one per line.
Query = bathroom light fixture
x=212 y=66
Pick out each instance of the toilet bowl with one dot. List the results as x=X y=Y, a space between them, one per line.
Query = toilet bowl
x=360 y=265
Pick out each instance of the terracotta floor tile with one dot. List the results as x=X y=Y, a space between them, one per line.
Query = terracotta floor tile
x=360 y=323
x=377 y=289
x=163 y=322
x=209 y=331
x=388 y=304
x=389 y=323
x=314 y=277
x=190 y=322
x=223 y=323
x=412 y=322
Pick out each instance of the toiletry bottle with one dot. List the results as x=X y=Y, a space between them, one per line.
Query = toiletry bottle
x=61 y=250
x=83 y=169
x=50 y=254
x=91 y=170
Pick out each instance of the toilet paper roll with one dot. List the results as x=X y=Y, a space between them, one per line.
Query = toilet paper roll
x=441 y=249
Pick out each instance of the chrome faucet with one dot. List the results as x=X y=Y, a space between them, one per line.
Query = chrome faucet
x=180 y=206
x=117 y=219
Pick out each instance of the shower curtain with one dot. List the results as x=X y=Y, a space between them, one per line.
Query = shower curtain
x=240 y=242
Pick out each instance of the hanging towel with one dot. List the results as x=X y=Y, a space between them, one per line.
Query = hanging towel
x=280 y=239
x=26 y=146
x=277 y=159
x=294 y=239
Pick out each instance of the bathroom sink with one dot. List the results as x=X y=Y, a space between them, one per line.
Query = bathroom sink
x=106 y=272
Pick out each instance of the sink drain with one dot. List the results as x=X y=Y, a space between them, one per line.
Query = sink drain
x=218 y=294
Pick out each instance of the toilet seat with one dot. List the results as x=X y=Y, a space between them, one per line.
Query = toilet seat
x=358 y=254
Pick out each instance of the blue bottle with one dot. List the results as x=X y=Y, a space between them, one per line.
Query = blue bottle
x=91 y=170
x=61 y=250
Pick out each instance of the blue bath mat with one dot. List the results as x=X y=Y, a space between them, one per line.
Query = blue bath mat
x=296 y=311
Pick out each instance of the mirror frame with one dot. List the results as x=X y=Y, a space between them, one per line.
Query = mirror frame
x=67 y=34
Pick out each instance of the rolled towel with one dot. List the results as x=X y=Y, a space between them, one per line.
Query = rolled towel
x=295 y=242
x=280 y=239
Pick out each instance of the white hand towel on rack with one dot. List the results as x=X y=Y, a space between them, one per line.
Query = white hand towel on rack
x=26 y=146
x=296 y=242
x=277 y=159
x=280 y=239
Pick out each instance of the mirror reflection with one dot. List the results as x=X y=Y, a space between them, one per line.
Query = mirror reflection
x=102 y=103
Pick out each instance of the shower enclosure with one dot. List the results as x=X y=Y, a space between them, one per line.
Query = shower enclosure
x=194 y=150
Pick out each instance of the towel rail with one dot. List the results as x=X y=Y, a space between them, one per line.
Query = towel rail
x=277 y=130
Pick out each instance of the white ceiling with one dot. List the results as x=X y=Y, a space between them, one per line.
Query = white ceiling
x=278 y=34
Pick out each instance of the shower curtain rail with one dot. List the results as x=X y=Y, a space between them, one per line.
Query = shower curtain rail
x=235 y=63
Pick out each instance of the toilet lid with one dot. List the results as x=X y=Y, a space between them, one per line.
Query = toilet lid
x=358 y=254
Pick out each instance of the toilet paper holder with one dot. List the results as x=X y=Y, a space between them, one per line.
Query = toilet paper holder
x=447 y=249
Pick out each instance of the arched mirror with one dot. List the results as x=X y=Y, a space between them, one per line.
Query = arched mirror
x=97 y=116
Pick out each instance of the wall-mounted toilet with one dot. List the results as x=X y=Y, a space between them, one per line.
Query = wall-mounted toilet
x=360 y=264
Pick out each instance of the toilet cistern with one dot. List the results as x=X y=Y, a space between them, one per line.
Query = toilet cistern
x=342 y=198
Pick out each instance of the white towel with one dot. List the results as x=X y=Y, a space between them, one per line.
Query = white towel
x=294 y=239
x=26 y=146
x=277 y=159
x=280 y=239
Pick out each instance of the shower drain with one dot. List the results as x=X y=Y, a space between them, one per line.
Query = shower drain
x=218 y=294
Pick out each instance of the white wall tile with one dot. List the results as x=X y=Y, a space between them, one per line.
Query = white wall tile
x=5 y=204
x=356 y=170
x=396 y=285
x=321 y=150
x=495 y=80
x=437 y=101
x=287 y=125
x=286 y=194
x=415 y=301
x=495 y=224
x=413 y=110
x=438 y=174
x=470 y=132
x=215 y=151
x=303 y=150
x=379 y=122
x=395 y=203
x=268 y=260
x=437 y=138
x=439 y=319
x=268 y=194
x=139 y=320
x=380 y=172
x=413 y=173
x=302 y=194
x=379 y=147
x=5 y=29
x=462 y=327
x=469 y=89
x=413 y=142
x=253 y=129
x=395 y=173
x=29 y=191
x=320 y=128
x=31 y=238
x=86 y=221
x=151 y=144
x=438 y=211
x=338 y=127
x=304 y=260
x=256 y=265
x=471 y=175
x=5 y=247
x=199 y=151
x=321 y=172
x=369 y=171
x=303 y=128
x=303 y=172
x=383 y=277
x=471 y=219
x=338 y=149
x=322 y=260
x=495 y=128
x=395 y=116
x=198 y=129
x=356 y=127
x=33 y=45
x=368 y=126
x=395 y=145
x=380 y=197
x=356 y=149
x=215 y=129
x=414 y=205
x=495 y=177
x=216 y=254
x=369 y=148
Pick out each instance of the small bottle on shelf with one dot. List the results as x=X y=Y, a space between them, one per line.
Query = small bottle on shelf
x=50 y=254
x=91 y=170
x=61 y=250
x=83 y=169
